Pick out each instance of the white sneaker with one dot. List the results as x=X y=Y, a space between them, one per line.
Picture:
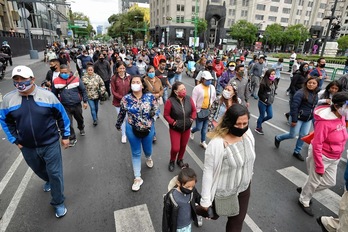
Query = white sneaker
x=200 y=221
x=204 y=145
x=149 y=162
x=192 y=135
x=136 y=184
x=124 y=139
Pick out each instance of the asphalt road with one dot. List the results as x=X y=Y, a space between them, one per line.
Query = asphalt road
x=98 y=178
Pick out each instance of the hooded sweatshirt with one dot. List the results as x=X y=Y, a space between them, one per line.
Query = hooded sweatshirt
x=330 y=136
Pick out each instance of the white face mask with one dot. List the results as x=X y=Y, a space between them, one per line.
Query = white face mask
x=231 y=68
x=136 y=87
x=226 y=94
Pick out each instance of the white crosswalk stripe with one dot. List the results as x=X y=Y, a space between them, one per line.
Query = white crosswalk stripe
x=326 y=197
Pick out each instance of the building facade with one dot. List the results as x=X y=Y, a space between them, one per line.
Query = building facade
x=126 y=4
x=222 y=14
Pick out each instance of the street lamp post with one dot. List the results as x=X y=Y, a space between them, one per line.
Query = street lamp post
x=195 y=22
x=32 y=53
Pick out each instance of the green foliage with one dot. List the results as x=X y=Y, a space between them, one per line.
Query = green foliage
x=331 y=60
x=244 y=31
x=274 y=34
x=295 y=34
x=202 y=25
x=343 y=42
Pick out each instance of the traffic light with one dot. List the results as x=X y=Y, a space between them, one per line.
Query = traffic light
x=334 y=30
x=169 y=18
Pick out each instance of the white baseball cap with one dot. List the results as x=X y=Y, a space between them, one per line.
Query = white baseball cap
x=22 y=71
x=207 y=75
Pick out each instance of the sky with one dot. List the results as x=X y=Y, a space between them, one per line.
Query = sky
x=98 y=11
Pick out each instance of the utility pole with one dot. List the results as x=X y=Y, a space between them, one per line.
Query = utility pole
x=195 y=33
x=331 y=18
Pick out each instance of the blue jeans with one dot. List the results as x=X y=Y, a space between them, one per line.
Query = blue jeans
x=93 y=104
x=302 y=128
x=135 y=144
x=177 y=77
x=46 y=163
x=165 y=94
x=264 y=109
x=123 y=126
x=201 y=125
x=185 y=229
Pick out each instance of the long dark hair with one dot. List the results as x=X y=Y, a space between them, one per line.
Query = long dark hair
x=326 y=94
x=144 y=90
x=175 y=87
x=338 y=100
x=302 y=72
x=265 y=80
x=306 y=91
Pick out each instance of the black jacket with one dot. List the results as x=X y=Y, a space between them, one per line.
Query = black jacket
x=181 y=113
x=266 y=94
x=297 y=82
x=170 y=210
x=302 y=108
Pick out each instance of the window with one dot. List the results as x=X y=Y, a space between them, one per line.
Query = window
x=275 y=0
x=244 y=13
x=259 y=17
x=233 y=2
x=297 y=21
x=299 y=12
x=245 y=3
x=300 y=3
x=308 y=13
x=233 y=12
x=260 y=7
x=346 y=21
x=286 y=10
x=320 y=15
x=284 y=20
x=272 y=18
x=229 y=22
x=167 y=9
x=288 y=1
x=179 y=33
x=306 y=22
x=180 y=7
x=322 y=6
x=216 y=1
x=274 y=9
x=310 y=4
x=193 y=9
x=230 y=12
x=180 y=19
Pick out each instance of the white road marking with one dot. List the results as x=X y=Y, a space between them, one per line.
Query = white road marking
x=135 y=218
x=250 y=223
x=326 y=197
x=6 y=218
x=10 y=172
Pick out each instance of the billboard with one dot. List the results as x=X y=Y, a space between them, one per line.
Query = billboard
x=81 y=23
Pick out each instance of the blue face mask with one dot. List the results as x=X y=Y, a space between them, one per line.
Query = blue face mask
x=310 y=67
x=65 y=76
x=151 y=75
x=22 y=86
x=207 y=83
x=225 y=63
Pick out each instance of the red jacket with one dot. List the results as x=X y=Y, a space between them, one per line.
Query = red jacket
x=119 y=88
x=218 y=68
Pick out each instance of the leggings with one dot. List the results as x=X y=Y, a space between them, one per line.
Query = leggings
x=178 y=141
x=235 y=223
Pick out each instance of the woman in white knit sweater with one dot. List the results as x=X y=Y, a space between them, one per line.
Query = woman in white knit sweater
x=228 y=166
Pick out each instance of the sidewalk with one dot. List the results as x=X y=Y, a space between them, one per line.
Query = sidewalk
x=24 y=60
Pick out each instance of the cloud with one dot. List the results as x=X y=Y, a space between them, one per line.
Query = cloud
x=98 y=11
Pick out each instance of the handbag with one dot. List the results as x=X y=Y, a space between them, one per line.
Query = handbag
x=308 y=138
x=227 y=205
x=140 y=132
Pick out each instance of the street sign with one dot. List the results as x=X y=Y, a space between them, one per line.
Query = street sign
x=70 y=33
x=191 y=42
x=81 y=23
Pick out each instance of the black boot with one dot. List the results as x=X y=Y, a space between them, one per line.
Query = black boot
x=171 y=166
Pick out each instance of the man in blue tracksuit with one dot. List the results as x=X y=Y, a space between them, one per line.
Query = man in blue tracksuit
x=30 y=117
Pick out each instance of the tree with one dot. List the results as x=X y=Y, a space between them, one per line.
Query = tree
x=202 y=25
x=244 y=32
x=343 y=42
x=273 y=34
x=295 y=34
x=85 y=32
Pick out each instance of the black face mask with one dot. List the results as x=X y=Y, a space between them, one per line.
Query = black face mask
x=238 y=131
x=210 y=67
x=322 y=65
x=185 y=190
x=54 y=68
x=101 y=59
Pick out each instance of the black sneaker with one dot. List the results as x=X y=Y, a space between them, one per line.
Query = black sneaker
x=82 y=132
x=259 y=131
x=287 y=115
x=72 y=142
x=171 y=166
x=95 y=122
x=276 y=142
x=307 y=210
x=298 y=156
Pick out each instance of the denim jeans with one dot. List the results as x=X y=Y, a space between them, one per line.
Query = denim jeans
x=302 y=128
x=123 y=126
x=165 y=94
x=185 y=229
x=201 y=125
x=177 y=77
x=255 y=85
x=46 y=163
x=136 y=144
x=264 y=109
x=93 y=105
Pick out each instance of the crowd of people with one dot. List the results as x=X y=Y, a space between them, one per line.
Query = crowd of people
x=139 y=81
